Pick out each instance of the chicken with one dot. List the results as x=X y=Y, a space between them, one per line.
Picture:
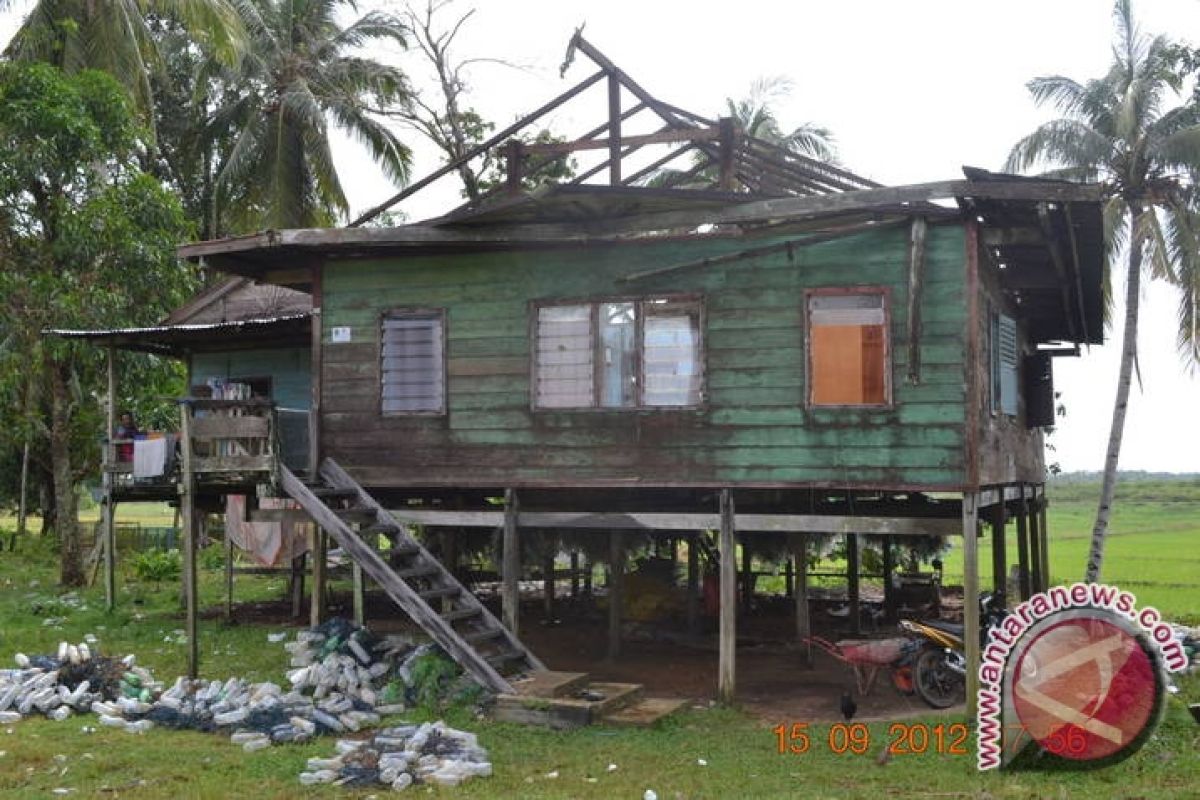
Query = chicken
x=848 y=706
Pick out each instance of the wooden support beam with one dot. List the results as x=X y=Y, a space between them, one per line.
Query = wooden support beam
x=1044 y=542
x=574 y=574
x=360 y=600
x=190 y=524
x=803 y=623
x=318 y=547
x=510 y=569
x=916 y=283
x=728 y=147
x=228 y=547
x=693 y=584
x=514 y=157
x=727 y=659
x=1037 y=563
x=548 y=586
x=789 y=577
x=889 y=591
x=970 y=533
x=109 y=508
x=999 y=551
x=747 y=576
x=1023 y=561
x=616 y=592
x=1060 y=269
x=614 y=131
x=297 y=585
x=852 y=588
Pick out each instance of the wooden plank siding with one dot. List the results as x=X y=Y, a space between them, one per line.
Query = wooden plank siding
x=753 y=428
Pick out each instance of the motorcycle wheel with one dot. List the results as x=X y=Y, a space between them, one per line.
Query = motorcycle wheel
x=935 y=682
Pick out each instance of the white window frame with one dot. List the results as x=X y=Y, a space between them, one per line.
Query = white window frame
x=437 y=359
x=641 y=304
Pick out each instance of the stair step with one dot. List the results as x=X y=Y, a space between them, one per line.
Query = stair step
x=550 y=683
x=573 y=710
x=330 y=492
x=482 y=636
x=356 y=515
x=418 y=572
x=380 y=527
x=461 y=613
x=645 y=713
x=505 y=657
x=440 y=591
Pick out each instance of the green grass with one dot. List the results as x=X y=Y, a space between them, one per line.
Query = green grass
x=1152 y=549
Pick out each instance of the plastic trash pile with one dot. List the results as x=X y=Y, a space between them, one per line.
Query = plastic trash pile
x=342 y=679
x=401 y=756
x=72 y=682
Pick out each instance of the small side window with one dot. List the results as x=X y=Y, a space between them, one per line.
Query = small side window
x=1004 y=356
x=411 y=368
x=848 y=349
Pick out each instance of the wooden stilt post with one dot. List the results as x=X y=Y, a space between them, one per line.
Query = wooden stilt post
x=693 y=585
x=191 y=524
x=999 y=550
x=548 y=586
x=789 y=582
x=803 y=623
x=574 y=574
x=674 y=560
x=1036 y=555
x=726 y=666
x=1023 y=545
x=970 y=520
x=889 y=592
x=319 y=546
x=510 y=571
x=588 y=575
x=298 y=585
x=360 y=600
x=616 y=592
x=747 y=576
x=109 y=509
x=228 y=577
x=852 y=588
x=1044 y=543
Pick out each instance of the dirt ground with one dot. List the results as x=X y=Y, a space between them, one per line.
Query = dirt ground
x=772 y=679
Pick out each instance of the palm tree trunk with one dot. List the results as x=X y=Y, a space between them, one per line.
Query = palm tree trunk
x=1124 y=380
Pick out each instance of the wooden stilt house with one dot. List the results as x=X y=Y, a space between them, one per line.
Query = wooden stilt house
x=764 y=344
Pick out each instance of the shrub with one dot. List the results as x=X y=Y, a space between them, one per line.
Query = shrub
x=157 y=565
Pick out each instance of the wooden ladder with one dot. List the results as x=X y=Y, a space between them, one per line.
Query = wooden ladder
x=480 y=643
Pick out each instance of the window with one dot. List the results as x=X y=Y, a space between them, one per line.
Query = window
x=619 y=354
x=411 y=366
x=848 y=351
x=1002 y=353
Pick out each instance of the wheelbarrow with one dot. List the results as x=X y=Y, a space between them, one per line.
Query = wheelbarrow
x=866 y=657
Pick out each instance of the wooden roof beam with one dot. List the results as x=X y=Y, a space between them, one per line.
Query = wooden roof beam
x=1060 y=266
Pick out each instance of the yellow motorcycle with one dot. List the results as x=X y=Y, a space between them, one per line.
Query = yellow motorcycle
x=939 y=667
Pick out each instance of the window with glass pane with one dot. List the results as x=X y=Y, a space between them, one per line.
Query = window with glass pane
x=619 y=354
x=412 y=374
x=565 y=372
x=848 y=349
x=672 y=360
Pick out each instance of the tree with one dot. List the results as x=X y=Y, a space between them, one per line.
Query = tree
x=755 y=116
x=88 y=241
x=298 y=75
x=1119 y=130
x=115 y=36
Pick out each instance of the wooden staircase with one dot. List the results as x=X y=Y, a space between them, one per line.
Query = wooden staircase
x=414 y=580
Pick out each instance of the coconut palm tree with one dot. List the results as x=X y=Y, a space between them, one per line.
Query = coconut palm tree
x=1126 y=131
x=297 y=77
x=114 y=36
x=755 y=116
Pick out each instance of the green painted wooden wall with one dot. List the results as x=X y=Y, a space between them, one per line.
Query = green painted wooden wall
x=754 y=428
x=288 y=368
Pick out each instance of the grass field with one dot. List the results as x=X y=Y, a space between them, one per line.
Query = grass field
x=1153 y=551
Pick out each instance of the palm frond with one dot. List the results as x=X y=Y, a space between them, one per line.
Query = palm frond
x=1061 y=143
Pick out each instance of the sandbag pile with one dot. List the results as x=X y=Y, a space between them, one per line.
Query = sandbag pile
x=72 y=682
x=401 y=756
